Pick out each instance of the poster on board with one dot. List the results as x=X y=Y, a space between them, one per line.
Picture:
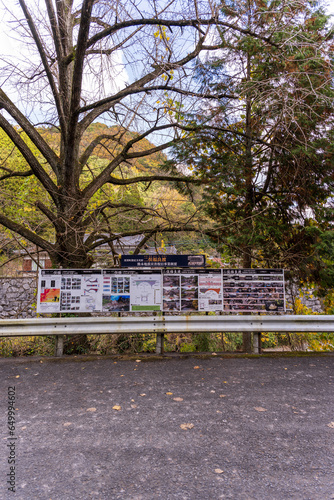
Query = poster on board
x=69 y=290
x=210 y=290
x=126 y=291
x=48 y=299
x=116 y=291
x=253 y=290
x=190 y=290
x=145 y=291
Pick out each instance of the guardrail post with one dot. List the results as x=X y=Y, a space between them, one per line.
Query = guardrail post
x=159 y=349
x=256 y=342
x=59 y=346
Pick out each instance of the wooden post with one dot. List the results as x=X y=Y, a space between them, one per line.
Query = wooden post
x=59 y=346
x=160 y=344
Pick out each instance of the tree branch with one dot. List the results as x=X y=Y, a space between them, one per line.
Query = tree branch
x=30 y=130
x=43 y=57
x=27 y=234
x=38 y=170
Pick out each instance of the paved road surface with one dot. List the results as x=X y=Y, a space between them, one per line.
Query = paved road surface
x=263 y=428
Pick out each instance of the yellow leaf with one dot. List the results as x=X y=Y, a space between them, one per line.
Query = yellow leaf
x=91 y=409
x=117 y=407
x=259 y=408
x=169 y=393
x=185 y=427
x=219 y=471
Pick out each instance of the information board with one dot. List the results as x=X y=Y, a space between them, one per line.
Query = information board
x=168 y=290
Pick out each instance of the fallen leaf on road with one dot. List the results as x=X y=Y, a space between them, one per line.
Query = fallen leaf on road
x=196 y=367
x=219 y=471
x=177 y=399
x=133 y=406
x=66 y=424
x=24 y=427
x=331 y=425
x=117 y=407
x=142 y=394
x=259 y=408
x=185 y=427
x=169 y=393
x=138 y=360
x=91 y=409
x=222 y=396
x=213 y=354
x=17 y=376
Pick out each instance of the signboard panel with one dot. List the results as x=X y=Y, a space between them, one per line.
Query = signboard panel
x=162 y=261
x=190 y=290
x=169 y=290
x=131 y=291
x=146 y=291
x=210 y=290
x=253 y=290
x=116 y=291
x=69 y=290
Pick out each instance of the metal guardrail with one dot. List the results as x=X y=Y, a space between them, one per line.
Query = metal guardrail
x=163 y=324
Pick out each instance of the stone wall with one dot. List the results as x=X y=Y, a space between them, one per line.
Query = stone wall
x=17 y=296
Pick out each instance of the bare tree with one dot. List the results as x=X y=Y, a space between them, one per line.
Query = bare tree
x=80 y=62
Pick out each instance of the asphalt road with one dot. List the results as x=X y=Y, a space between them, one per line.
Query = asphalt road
x=259 y=428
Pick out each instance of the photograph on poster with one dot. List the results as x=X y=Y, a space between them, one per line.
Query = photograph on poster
x=189 y=305
x=171 y=305
x=171 y=293
x=50 y=295
x=171 y=280
x=189 y=293
x=116 y=303
x=189 y=281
